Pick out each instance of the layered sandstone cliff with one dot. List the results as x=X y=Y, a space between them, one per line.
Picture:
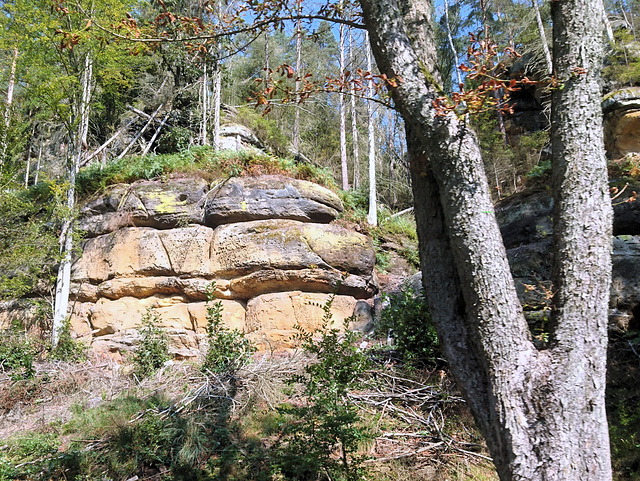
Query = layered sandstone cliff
x=267 y=242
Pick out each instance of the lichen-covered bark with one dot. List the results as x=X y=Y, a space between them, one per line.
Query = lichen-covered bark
x=526 y=401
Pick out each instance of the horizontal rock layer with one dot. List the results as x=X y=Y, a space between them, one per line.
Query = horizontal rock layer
x=265 y=243
x=181 y=201
x=267 y=320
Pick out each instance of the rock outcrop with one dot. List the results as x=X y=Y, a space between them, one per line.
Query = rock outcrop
x=622 y=122
x=266 y=242
x=526 y=221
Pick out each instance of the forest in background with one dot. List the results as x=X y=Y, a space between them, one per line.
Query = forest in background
x=71 y=88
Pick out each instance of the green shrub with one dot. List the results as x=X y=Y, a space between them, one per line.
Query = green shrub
x=153 y=349
x=68 y=348
x=228 y=348
x=406 y=317
x=326 y=429
x=266 y=130
x=17 y=354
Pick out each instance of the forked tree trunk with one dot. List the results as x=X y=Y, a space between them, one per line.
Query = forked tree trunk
x=77 y=146
x=541 y=411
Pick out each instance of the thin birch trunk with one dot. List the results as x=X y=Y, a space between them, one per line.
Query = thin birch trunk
x=87 y=80
x=372 y=215
x=543 y=38
x=144 y=128
x=217 y=94
x=451 y=44
x=296 y=120
x=7 y=112
x=354 y=120
x=28 y=169
x=607 y=24
x=217 y=85
x=76 y=148
x=343 y=120
x=157 y=132
x=37 y=173
x=205 y=106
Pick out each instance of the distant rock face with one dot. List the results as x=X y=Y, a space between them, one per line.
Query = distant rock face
x=526 y=222
x=622 y=122
x=266 y=242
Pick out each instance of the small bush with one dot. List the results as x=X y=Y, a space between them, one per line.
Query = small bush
x=153 y=350
x=17 y=354
x=326 y=430
x=228 y=348
x=266 y=130
x=407 y=319
x=68 y=348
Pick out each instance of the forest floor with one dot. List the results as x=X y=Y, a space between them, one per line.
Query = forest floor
x=418 y=426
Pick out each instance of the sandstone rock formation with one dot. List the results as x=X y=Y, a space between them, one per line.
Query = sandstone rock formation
x=526 y=221
x=622 y=122
x=266 y=242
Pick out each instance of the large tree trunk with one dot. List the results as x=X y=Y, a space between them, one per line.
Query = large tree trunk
x=533 y=406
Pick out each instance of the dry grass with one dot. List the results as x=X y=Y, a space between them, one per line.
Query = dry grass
x=421 y=428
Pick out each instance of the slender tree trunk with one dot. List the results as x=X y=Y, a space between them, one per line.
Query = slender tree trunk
x=205 y=105
x=217 y=101
x=607 y=24
x=217 y=85
x=63 y=282
x=28 y=169
x=451 y=44
x=267 y=68
x=296 y=121
x=354 y=120
x=37 y=173
x=533 y=406
x=77 y=146
x=543 y=38
x=343 y=120
x=87 y=80
x=372 y=216
x=7 y=111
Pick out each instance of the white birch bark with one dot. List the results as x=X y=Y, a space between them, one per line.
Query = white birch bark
x=372 y=215
x=204 y=105
x=7 y=110
x=543 y=38
x=343 y=119
x=296 y=120
x=77 y=147
x=451 y=44
x=354 y=119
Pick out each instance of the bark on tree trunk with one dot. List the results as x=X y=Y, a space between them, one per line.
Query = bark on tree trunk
x=372 y=215
x=343 y=120
x=533 y=406
x=354 y=120
x=296 y=121
x=7 y=112
x=543 y=38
